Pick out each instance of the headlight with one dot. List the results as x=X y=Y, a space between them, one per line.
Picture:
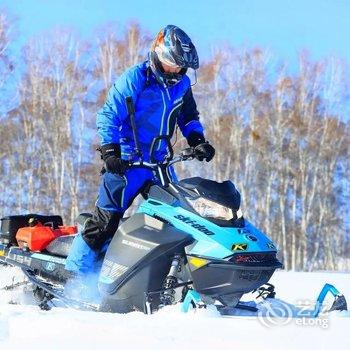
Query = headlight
x=207 y=208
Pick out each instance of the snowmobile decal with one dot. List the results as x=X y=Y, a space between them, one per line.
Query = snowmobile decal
x=135 y=245
x=22 y=259
x=53 y=259
x=197 y=262
x=240 y=246
x=242 y=231
x=194 y=224
x=111 y=270
x=49 y=266
x=251 y=238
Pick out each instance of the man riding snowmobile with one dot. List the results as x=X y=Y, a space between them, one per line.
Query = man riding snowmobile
x=161 y=92
x=187 y=243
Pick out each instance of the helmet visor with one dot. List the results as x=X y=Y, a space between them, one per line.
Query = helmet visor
x=164 y=56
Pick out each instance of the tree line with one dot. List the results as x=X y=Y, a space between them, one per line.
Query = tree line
x=282 y=138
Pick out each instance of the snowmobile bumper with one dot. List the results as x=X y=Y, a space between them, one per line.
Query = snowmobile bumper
x=227 y=281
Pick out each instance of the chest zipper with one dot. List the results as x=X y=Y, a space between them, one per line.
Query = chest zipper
x=162 y=120
x=167 y=92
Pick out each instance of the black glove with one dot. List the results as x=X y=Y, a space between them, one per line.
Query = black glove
x=113 y=163
x=195 y=138
x=204 y=151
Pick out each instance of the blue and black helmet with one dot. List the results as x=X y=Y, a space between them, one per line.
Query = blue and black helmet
x=173 y=47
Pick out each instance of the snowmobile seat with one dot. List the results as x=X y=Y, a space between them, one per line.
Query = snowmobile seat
x=61 y=245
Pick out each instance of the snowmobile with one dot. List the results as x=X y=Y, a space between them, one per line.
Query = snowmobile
x=186 y=235
x=188 y=242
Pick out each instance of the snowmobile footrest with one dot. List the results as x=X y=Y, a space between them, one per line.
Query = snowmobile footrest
x=232 y=310
x=246 y=307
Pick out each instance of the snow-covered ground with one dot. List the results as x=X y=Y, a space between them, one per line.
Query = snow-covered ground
x=24 y=326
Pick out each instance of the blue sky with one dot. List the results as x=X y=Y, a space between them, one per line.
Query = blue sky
x=285 y=27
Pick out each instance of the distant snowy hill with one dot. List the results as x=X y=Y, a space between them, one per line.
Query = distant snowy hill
x=24 y=326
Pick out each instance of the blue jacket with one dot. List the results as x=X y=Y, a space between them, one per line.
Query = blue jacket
x=157 y=111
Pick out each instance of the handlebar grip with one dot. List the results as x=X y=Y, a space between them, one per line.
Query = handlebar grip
x=130 y=105
x=188 y=152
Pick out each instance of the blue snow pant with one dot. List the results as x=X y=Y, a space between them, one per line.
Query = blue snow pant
x=116 y=194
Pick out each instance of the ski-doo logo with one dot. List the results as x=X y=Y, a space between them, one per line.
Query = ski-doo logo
x=194 y=224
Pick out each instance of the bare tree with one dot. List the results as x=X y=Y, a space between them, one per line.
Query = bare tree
x=118 y=51
x=52 y=115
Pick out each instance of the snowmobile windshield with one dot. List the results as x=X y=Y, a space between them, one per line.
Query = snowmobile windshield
x=218 y=202
x=222 y=193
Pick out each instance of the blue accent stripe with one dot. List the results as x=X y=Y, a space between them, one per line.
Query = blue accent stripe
x=50 y=258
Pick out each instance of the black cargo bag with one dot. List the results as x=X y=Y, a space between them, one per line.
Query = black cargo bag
x=11 y=224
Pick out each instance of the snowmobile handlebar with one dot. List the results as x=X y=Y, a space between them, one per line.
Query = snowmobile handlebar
x=186 y=154
x=169 y=159
x=161 y=167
